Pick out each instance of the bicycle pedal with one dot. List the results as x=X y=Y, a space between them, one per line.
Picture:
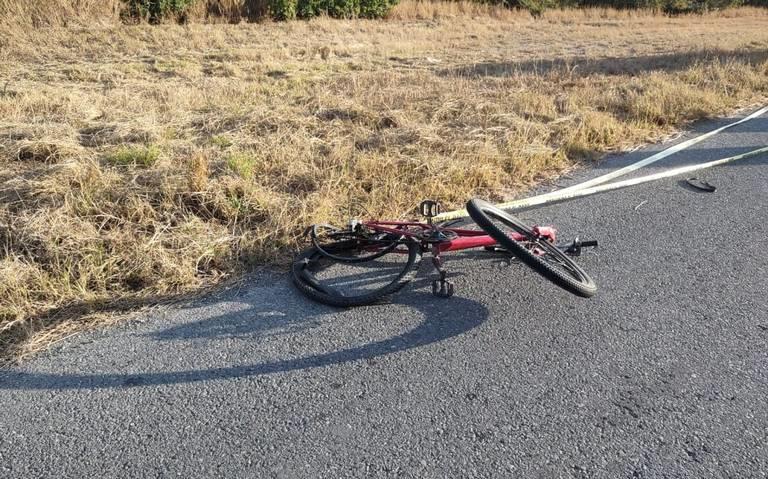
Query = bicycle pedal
x=442 y=288
x=429 y=208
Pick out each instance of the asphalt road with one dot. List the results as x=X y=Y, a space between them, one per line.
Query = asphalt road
x=663 y=374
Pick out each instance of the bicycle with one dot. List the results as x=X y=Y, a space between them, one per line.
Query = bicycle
x=366 y=243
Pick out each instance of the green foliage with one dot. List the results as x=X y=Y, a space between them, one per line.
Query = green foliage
x=156 y=10
x=242 y=163
x=344 y=8
x=283 y=9
x=135 y=156
x=309 y=8
x=536 y=7
x=675 y=7
x=375 y=8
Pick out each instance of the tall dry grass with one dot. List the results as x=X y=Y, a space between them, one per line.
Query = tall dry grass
x=59 y=13
x=47 y=13
x=138 y=163
x=432 y=9
x=90 y=13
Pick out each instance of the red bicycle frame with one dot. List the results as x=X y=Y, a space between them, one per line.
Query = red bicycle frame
x=464 y=238
x=369 y=240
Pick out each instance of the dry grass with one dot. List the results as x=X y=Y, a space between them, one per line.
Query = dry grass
x=87 y=13
x=436 y=9
x=47 y=13
x=138 y=163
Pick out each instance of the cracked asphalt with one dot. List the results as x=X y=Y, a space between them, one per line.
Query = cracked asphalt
x=664 y=373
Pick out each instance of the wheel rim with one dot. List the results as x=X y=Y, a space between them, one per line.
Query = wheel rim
x=556 y=258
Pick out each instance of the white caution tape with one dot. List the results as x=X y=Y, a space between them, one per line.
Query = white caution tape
x=591 y=186
x=643 y=179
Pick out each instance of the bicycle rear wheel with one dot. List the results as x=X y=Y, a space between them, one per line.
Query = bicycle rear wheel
x=538 y=253
x=356 y=245
x=349 y=282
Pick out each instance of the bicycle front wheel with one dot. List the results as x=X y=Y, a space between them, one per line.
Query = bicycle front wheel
x=538 y=253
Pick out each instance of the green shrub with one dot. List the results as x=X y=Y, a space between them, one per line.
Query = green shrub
x=536 y=7
x=309 y=8
x=375 y=8
x=156 y=10
x=282 y=9
x=343 y=8
x=675 y=7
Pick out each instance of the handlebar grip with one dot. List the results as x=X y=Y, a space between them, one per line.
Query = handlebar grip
x=589 y=244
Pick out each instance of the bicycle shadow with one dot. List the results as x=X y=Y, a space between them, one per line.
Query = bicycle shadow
x=261 y=320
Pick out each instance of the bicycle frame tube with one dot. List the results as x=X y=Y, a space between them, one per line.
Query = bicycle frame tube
x=466 y=239
x=466 y=242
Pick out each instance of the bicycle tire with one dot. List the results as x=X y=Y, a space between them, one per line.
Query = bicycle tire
x=574 y=279
x=358 y=242
x=308 y=285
